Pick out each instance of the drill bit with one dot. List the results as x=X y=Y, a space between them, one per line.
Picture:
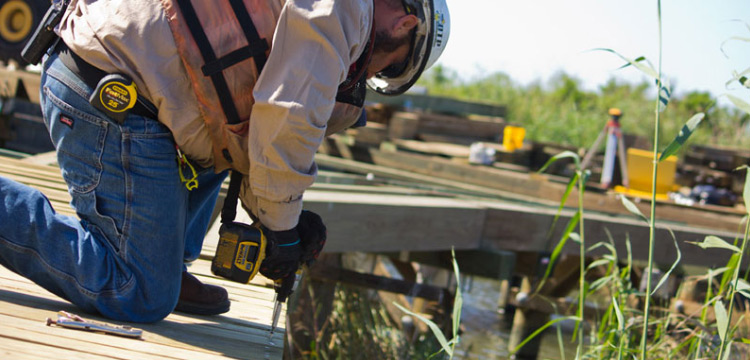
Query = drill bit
x=276 y=314
x=284 y=287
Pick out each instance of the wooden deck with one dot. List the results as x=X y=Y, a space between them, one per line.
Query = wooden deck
x=369 y=217
x=242 y=333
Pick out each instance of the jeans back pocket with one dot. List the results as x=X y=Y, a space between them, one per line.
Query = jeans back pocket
x=79 y=139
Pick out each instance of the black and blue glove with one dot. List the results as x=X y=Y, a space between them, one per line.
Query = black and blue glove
x=287 y=250
x=283 y=253
x=313 y=235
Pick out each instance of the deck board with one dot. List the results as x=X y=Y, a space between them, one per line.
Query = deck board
x=242 y=333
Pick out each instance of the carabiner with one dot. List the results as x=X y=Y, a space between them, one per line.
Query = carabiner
x=191 y=183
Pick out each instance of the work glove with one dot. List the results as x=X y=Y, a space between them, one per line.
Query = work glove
x=312 y=233
x=283 y=253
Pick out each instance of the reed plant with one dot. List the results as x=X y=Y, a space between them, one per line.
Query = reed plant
x=630 y=325
x=624 y=329
x=446 y=346
x=358 y=327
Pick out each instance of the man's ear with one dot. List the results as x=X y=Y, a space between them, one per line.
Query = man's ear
x=405 y=24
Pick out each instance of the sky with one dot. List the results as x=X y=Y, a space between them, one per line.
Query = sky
x=531 y=40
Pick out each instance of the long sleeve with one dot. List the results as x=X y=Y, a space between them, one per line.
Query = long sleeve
x=314 y=44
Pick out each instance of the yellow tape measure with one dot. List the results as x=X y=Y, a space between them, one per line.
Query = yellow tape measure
x=115 y=95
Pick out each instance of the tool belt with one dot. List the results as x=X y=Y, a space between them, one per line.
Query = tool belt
x=96 y=79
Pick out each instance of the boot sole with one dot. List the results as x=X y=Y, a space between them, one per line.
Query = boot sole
x=202 y=309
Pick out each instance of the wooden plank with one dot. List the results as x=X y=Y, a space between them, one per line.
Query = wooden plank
x=438 y=104
x=241 y=333
x=362 y=222
x=44 y=351
x=10 y=82
x=31 y=169
x=260 y=299
x=437 y=148
x=536 y=186
x=385 y=222
x=370 y=281
x=380 y=171
x=53 y=190
x=176 y=331
x=34 y=333
x=522 y=228
x=46 y=158
x=370 y=189
x=451 y=125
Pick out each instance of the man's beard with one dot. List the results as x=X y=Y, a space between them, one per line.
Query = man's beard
x=385 y=43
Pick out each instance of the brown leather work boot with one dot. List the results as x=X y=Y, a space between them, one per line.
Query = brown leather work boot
x=201 y=299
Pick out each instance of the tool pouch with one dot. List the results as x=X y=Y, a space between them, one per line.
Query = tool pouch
x=44 y=35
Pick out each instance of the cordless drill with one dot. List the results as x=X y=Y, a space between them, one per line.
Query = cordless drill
x=239 y=255
x=242 y=248
x=240 y=252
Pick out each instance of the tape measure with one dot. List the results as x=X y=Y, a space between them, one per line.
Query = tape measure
x=115 y=95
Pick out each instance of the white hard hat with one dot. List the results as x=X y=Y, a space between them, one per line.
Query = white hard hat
x=430 y=38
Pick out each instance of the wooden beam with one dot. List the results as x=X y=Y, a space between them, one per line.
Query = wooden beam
x=375 y=223
x=370 y=281
x=436 y=148
x=438 y=104
x=525 y=228
x=493 y=264
x=12 y=79
x=410 y=125
x=536 y=186
x=418 y=179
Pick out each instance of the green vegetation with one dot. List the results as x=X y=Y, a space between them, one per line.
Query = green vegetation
x=630 y=322
x=447 y=346
x=561 y=111
x=360 y=327
x=626 y=329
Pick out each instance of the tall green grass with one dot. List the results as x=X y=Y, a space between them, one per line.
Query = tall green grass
x=358 y=327
x=447 y=346
x=625 y=330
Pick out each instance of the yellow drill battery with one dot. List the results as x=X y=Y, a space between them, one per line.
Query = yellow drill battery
x=240 y=252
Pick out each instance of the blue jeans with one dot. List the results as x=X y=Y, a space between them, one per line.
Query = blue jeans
x=138 y=223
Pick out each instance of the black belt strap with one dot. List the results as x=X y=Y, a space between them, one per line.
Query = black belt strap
x=229 y=210
x=91 y=75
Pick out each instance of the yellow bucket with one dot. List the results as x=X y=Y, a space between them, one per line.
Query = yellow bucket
x=640 y=173
x=513 y=137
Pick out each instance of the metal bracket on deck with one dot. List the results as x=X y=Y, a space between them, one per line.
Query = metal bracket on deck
x=73 y=321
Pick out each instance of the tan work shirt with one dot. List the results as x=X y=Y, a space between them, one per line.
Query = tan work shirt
x=314 y=44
